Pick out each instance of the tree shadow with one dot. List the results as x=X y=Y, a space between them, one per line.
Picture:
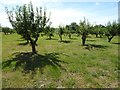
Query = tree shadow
x=91 y=40
x=51 y=39
x=24 y=43
x=30 y=63
x=65 y=41
x=73 y=38
x=95 y=46
x=20 y=40
x=116 y=43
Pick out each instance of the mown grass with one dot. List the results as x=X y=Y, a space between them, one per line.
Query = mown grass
x=60 y=64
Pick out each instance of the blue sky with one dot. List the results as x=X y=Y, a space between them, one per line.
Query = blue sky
x=64 y=12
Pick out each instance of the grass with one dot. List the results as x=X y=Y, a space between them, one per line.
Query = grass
x=60 y=64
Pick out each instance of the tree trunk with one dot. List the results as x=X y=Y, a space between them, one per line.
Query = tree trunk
x=83 y=40
x=96 y=35
x=33 y=44
x=27 y=41
x=60 y=37
x=50 y=37
x=33 y=48
x=110 y=38
x=69 y=36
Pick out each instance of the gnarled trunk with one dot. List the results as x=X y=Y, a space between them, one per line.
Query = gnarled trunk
x=69 y=36
x=60 y=37
x=33 y=44
x=110 y=38
x=96 y=35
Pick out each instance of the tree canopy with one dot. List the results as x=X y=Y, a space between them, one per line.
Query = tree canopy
x=28 y=22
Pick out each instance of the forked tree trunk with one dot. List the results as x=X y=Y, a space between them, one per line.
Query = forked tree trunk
x=50 y=37
x=69 y=36
x=110 y=38
x=33 y=44
x=96 y=35
x=60 y=37
x=27 y=41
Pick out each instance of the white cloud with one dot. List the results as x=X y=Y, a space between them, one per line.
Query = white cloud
x=60 y=15
x=3 y=20
x=96 y=3
x=65 y=16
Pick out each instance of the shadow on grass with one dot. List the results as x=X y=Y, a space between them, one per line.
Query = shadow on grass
x=24 y=43
x=95 y=46
x=65 y=41
x=116 y=43
x=20 y=40
x=91 y=40
x=51 y=39
x=29 y=62
x=73 y=38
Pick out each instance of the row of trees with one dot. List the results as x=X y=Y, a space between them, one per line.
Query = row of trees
x=85 y=28
x=30 y=22
x=7 y=30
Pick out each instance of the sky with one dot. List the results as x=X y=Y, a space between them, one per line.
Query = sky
x=64 y=12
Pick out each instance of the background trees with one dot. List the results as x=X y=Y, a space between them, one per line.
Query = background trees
x=84 y=30
x=7 y=30
x=71 y=29
x=48 y=31
x=28 y=23
x=61 y=32
x=111 y=30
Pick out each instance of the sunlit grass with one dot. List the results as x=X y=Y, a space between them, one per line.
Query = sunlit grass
x=80 y=66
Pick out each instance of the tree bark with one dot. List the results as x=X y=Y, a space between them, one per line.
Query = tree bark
x=110 y=38
x=33 y=48
x=96 y=35
x=60 y=37
x=27 y=41
x=33 y=44
x=69 y=36
x=83 y=40
x=50 y=37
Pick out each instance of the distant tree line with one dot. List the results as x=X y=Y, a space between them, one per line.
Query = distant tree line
x=7 y=30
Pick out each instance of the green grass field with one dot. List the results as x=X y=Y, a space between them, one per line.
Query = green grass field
x=59 y=64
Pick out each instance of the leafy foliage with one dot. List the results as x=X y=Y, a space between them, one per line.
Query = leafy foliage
x=28 y=23
x=61 y=31
x=112 y=30
x=84 y=29
x=49 y=31
x=7 y=30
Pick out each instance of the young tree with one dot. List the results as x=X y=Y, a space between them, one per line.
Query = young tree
x=68 y=31
x=111 y=30
x=96 y=30
x=102 y=31
x=71 y=29
x=28 y=23
x=84 y=28
x=49 y=31
x=60 y=32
